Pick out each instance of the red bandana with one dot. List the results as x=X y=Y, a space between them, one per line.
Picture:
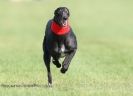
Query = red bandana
x=59 y=30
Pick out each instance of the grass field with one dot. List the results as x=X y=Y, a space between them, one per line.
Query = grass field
x=102 y=66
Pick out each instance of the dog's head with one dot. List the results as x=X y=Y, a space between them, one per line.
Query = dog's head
x=61 y=16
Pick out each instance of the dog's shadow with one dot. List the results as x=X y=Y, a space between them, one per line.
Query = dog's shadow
x=24 y=85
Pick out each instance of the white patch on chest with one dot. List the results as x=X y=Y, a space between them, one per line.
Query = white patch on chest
x=62 y=48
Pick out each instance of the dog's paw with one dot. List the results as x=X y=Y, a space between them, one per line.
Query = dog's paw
x=63 y=70
x=49 y=85
x=58 y=65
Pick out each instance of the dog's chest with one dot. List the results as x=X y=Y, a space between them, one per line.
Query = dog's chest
x=62 y=50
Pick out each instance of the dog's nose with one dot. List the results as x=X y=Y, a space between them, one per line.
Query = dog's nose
x=65 y=18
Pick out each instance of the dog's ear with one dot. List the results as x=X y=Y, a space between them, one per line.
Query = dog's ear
x=67 y=11
x=56 y=11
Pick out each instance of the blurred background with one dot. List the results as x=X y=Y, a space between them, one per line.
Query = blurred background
x=102 y=65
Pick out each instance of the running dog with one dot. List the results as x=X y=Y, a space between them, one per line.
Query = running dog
x=59 y=41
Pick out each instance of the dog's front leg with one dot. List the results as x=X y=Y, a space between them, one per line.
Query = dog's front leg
x=67 y=61
x=47 y=59
x=47 y=63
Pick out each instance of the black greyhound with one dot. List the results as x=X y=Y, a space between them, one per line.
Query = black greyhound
x=59 y=41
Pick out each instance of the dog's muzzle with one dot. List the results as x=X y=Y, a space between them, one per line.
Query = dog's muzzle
x=65 y=23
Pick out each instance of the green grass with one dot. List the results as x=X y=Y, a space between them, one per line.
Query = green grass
x=102 y=65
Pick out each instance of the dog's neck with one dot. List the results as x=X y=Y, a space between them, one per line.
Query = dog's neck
x=58 y=30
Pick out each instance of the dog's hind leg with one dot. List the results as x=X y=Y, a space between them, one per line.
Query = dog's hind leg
x=67 y=61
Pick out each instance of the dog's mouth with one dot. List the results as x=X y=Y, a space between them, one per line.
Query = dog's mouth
x=65 y=23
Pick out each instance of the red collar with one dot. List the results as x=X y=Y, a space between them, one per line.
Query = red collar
x=59 y=30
